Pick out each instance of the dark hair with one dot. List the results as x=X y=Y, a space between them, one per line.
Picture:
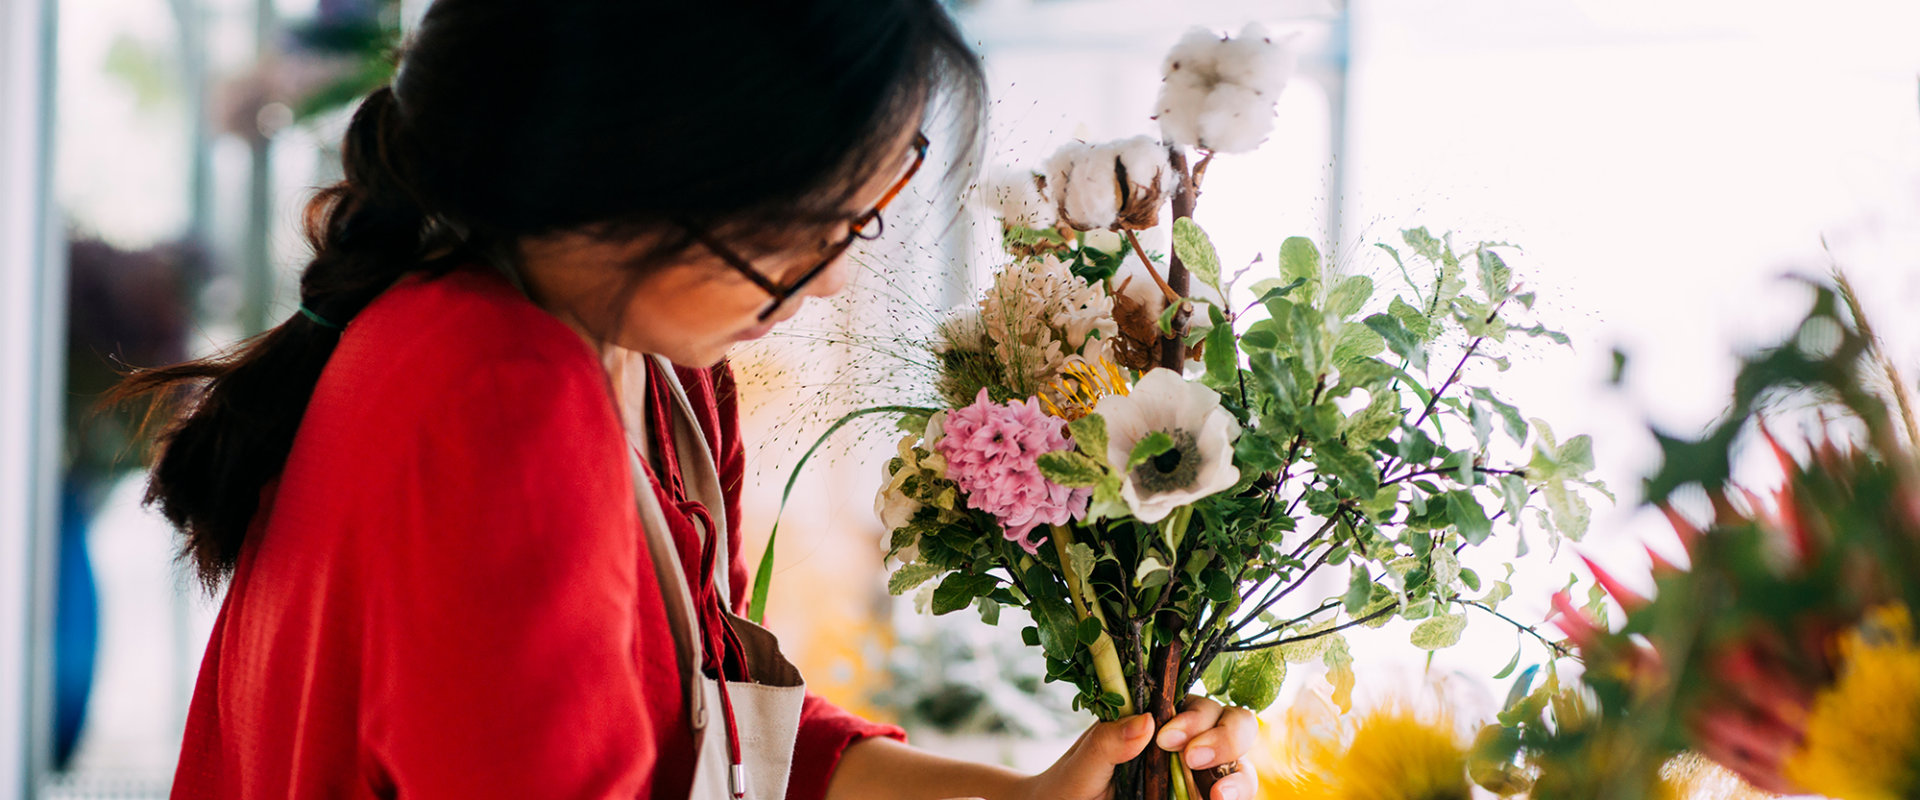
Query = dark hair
x=510 y=119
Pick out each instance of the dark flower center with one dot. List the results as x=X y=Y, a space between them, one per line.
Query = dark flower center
x=1173 y=470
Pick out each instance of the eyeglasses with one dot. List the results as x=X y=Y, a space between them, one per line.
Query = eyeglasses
x=868 y=226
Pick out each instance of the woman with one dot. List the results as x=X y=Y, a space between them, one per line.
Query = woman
x=476 y=505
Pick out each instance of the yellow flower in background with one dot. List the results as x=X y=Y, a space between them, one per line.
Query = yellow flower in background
x=1393 y=754
x=1863 y=740
x=1081 y=386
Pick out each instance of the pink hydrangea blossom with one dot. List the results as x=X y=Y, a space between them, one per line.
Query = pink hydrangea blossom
x=992 y=452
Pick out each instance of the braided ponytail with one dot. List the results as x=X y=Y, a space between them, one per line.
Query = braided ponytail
x=243 y=407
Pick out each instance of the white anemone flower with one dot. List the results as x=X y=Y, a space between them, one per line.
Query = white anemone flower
x=1201 y=461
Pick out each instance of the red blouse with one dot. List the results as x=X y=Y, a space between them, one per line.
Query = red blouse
x=447 y=593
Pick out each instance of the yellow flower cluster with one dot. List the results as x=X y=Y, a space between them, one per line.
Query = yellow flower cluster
x=1393 y=754
x=1081 y=388
x=1863 y=739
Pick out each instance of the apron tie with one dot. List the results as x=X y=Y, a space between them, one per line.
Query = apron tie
x=723 y=654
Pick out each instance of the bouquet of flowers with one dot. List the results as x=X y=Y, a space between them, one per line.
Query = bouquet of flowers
x=1155 y=472
x=1785 y=650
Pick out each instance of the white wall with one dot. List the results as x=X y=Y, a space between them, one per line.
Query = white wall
x=28 y=417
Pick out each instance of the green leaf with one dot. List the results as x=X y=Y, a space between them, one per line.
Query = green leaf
x=1359 y=591
x=1107 y=502
x=1354 y=470
x=1445 y=569
x=1090 y=437
x=1219 y=673
x=1255 y=681
x=1080 y=560
x=1355 y=342
x=1413 y=319
x=1260 y=338
x=1381 y=417
x=1496 y=279
x=1400 y=340
x=1053 y=613
x=1089 y=630
x=1195 y=250
x=1070 y=469
x=1339 y=662
x=1149 y=446
x=1439 y=633
x=1516 y=425
x=1467 y=515
x=1300 y=261
x=958 y=590
x=909 y=576
x=1571 y=514
x=1274 y=288
x=989 y=610
x=1254 y=452
x=1349 y=296
x=1150 y=573
x=1223 y=360
x=1511 y=663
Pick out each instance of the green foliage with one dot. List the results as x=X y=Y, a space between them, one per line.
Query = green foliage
x=1196 y=251
x=1365 y=445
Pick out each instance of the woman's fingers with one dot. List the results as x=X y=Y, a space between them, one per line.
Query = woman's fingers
x=1243 y=784
x=1231 y=737
x=1199 y=714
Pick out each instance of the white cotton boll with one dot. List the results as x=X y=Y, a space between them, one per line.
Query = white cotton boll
x=1081 y=181
x=1145 y=160
x=1182 y=96
x=1015 y=197
x=1236 y=119
x=1219 y=94
x=1256 y=60
x=1195 y=52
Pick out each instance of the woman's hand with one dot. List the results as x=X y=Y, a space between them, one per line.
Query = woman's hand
x=1204 y=733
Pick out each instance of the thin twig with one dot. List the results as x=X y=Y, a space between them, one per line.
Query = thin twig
x=1307 y=637
x=1172 y=296
x=1529 y=629
x=1442 y=471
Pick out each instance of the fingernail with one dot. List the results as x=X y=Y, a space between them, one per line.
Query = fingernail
x=1227 y=791
x=1140 y=726
x=1200 y=758
x=1172 y=738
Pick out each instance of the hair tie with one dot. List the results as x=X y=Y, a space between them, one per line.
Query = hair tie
x=317 y=319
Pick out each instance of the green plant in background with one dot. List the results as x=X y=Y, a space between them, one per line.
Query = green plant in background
x=1784 y=650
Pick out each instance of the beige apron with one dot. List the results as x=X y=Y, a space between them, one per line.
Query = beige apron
x=766 y=712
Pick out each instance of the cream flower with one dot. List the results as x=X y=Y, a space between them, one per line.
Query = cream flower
x=894 y=507
x=1036 y=315
x=1201 y=461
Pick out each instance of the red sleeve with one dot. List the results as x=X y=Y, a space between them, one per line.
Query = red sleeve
x=508 y=662
x=826 y=730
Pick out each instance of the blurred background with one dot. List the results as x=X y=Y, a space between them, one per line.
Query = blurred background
x=1661 y=163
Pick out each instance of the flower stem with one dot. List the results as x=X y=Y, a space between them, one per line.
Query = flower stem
x=1179 y=775
x=1106 y=658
